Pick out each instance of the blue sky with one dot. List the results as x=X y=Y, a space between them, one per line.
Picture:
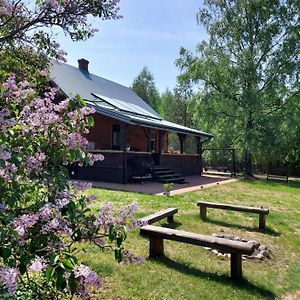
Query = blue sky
x=150 y=34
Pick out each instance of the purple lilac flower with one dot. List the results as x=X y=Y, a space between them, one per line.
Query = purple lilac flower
x=95 y=157
x=45 y=212
x=126 y=216
x=105 y=217
x=80 y=186
x=89 y=277
x=9 y=277
x=38 y=264
x=24 y=222
x=35 y=162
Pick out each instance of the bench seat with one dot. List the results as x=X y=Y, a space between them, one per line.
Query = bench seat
x=257 y=210
x=235 y=248
x=165 y=213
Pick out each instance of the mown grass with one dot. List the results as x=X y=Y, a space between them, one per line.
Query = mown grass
x=191 y=272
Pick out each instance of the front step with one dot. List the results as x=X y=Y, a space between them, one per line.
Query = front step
x=173 y=180
x=166 y=175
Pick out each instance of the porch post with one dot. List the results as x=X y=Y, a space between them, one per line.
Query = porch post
x=148 y=136
x=182 y=138
x=124 y=149
x=199 y=152
x=160 y=134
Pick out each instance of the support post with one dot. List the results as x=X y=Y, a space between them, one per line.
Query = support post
x=156 y=246
x=160 y=144
x=170 y=219
x=147 y=132
x=124 y=149
x=203 y=210
x=262 y=221
x=182 y=138
x=236 y=266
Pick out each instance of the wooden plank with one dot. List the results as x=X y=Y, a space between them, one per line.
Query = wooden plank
x=222 y=244
x=256 y=210
x=166 y=213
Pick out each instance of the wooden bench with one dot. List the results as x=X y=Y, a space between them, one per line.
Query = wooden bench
x=166 y=213
x=236 y=248
x=278 y=177
x=261 y=211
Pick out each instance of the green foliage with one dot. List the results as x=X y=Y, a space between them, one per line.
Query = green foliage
x=144 y=86
x=247 y=72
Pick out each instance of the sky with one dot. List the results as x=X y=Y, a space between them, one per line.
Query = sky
x=150 y=34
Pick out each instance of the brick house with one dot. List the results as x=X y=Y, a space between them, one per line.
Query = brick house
x=132 y=137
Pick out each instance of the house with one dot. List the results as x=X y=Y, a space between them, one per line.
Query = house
x=132 y=136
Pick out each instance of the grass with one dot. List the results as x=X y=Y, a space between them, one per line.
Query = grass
x=191 y=272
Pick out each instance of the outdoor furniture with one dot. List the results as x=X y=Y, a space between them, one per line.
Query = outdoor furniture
x=165 y=213
x=261 y=211
x=157 y=235
x=278 y=174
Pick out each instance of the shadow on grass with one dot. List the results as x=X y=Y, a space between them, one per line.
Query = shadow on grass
x=267 y=230
x=173 y=225
x=243 y=284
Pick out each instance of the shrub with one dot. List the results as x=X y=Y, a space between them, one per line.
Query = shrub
x=43 y=214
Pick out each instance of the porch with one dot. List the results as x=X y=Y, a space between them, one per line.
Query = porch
x=132 y=150
x=120 y=167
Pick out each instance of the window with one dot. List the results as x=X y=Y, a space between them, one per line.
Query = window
x=116 y=137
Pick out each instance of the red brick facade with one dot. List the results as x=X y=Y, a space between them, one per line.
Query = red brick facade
x=101 y=135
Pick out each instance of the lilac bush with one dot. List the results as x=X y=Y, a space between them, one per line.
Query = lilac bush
x=43 y=215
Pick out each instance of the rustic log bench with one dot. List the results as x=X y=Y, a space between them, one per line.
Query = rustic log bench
x=278 y=176
x=261 y=211
x=165 y=213
x=235 y=248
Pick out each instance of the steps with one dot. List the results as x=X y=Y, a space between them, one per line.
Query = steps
x=166 y=175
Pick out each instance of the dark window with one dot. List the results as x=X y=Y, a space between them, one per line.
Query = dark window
x=116 y=137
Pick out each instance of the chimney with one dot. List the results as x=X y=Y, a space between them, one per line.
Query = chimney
x=83 y=64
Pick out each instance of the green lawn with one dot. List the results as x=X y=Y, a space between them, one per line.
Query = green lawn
x=191 y=272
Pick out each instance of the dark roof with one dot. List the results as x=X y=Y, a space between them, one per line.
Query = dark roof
x=112 y=99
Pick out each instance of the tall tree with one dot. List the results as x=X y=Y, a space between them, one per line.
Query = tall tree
x=249 y=67
x=144 y=86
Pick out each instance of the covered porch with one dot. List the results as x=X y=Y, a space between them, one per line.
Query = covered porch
x=131 y=150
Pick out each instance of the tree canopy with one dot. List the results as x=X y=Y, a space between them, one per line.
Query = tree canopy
x=248 y=70
x=144 y=86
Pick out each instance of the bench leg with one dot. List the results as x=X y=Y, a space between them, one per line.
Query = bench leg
x=170 y=219
x=203 y=212
x=262 y=221
x=236 y=266
x=156 y=247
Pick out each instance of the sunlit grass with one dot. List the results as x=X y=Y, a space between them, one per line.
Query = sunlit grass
x=190 y=272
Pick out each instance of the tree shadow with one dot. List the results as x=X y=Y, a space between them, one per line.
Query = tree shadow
x=267 y=230
x=243 y=284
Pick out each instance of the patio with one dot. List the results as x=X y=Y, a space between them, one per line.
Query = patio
x=194 y=183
